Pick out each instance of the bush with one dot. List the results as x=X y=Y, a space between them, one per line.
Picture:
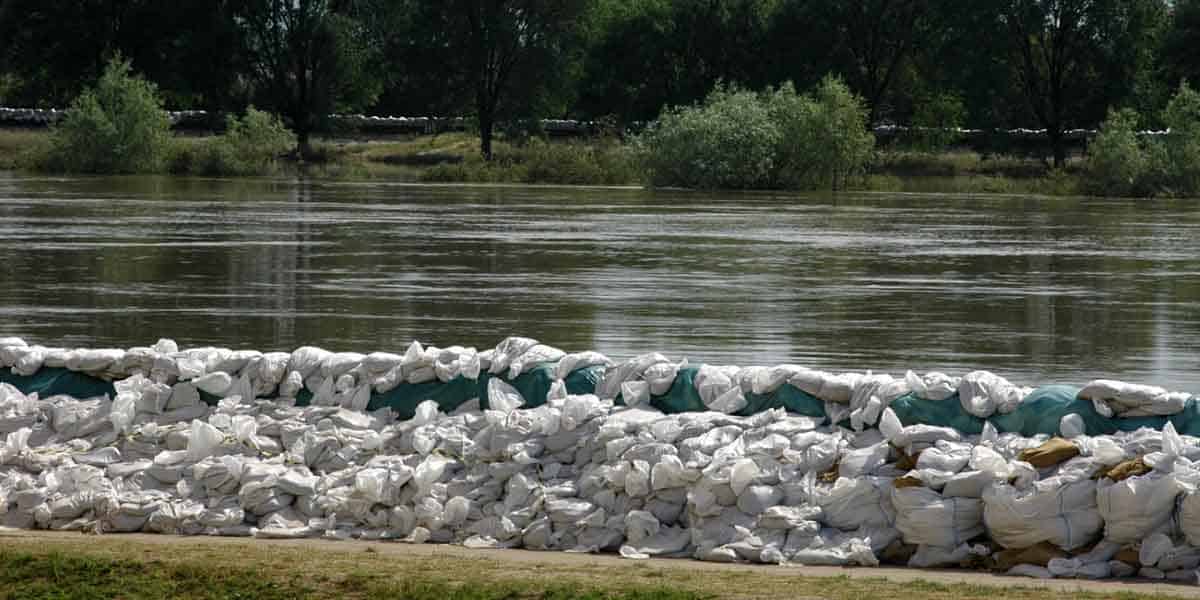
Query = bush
x=116 y=127
x=935 y=122
x=250 y=145
x=1182 y=144
x=740 y=139
x=728 y=142
x=576 y=163
x=1118 y=162
x=825 y=139
x=1122 y=162
x=594 y=162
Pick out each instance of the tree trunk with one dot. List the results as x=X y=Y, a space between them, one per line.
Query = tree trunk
x=303 y=147
x=1058 y=145
x=485 y=133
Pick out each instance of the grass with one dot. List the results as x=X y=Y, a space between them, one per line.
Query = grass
x=454 y=157
x=967 y=172
x=72 y=567
x=17 y=143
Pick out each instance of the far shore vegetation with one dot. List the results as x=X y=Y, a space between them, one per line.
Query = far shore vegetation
x=776 y=139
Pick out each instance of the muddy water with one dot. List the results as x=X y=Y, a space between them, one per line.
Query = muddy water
x=1040 y=290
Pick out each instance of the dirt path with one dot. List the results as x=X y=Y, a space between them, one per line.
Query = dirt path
x=765 y=580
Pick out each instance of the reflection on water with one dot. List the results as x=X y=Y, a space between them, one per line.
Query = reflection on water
x=1038 y=289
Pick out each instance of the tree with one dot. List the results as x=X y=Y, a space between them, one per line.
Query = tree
x=52 y=48
x=875 y=38
x=647 y=54
x=511 y=56
x=1182 y=61
x=306 y=59
x=116 y=127
x=868 y=42
x=1075 y=58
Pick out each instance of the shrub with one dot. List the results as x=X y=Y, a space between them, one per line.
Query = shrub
x=1182 y=117
x=116 y=127
x=740 y=139
x=250 y=145
x=727 y=142
x=828 y=141
x=594 y=162
x=255 y=142
x=1122 y=162
x=935 y=121
x=576 y=163
x=1118 y=162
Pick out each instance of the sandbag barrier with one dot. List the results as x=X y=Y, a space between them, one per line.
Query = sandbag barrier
x=524 y=445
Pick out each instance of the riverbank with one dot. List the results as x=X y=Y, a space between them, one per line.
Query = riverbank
x=68 y=565
x=454 y=157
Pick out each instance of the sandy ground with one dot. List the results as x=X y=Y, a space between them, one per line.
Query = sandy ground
x=516 y=561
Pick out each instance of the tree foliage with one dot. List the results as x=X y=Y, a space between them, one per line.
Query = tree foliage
x=507 y=58
x=1122 y=161
x=116 y=127
x=776 y=139
x=1046 y=64
x=1075 y=57
x=307 y=59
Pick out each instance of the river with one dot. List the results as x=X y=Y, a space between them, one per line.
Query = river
x=1041 y=290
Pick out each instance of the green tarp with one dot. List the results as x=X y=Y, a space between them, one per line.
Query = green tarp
x=55 y=381
x=1040 y=412
x=683 y=397
x=533 y=385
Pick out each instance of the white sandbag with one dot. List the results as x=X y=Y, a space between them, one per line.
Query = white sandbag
x=1121 y=399
x=850 y=504
x=1072 y=426
x=509 y=350
x=1033 y=571
x=635 y=393
x=203 y=440
x=307 y=360
x=339 y=363
x=1063 y=513
x=213 y=383
x=569 y=363
x=534 y=356
x=1189 y=517
x=906 y=437
x=1138 y=506
x=630 y=370
x=503 y=397
x=94 y=361
x=730 y=402
x=983 y=393
x=932 y=386
x=837 y=389
x=948 y=457
x=28 y=360
x=381 y=362
x=1076 y=568
x=924 y=517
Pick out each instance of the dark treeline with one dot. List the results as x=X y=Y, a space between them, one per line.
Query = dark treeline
x=1052 y=64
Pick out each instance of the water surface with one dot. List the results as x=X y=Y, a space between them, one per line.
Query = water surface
x=1038 y=289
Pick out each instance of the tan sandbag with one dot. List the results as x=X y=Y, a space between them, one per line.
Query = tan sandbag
x=1039 y=554
x=897 y=553
x=1052 y=452
x=831 y=475
x=1128 y=555
x=907 y=482
x=1126 y=469
x=906 y=462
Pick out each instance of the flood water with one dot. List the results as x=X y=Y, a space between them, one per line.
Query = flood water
x=1040 y=290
